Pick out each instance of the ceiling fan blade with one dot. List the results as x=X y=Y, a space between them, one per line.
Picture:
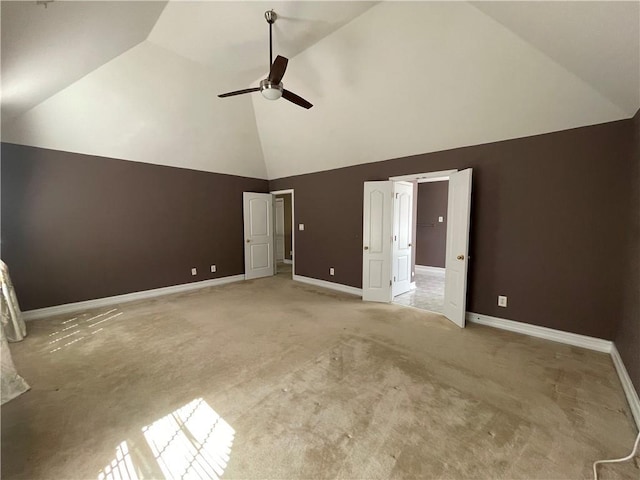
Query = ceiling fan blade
x=293 y=98
x=239 y=92
x=277 y=69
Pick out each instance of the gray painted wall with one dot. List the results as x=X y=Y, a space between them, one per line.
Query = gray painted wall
x=545 y=224
x=431 y=235
x=77 y=227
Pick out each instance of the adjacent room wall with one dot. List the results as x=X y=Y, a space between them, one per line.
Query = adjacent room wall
x=545 y=224
x=628 y=335
x=78 y=227
x=431 y=235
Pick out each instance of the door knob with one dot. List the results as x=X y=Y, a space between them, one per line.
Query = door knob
x=409 y=244
x=248 y=241
x=460 y=257
x=366 y=248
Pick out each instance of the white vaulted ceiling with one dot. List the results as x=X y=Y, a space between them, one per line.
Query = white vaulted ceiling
x=45 y=49
x=139 y=80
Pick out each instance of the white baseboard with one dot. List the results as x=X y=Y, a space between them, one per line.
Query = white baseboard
x=574 y=339
x=412 y=286
x=627 y=385
x=426 y=269
x=286 y=260
x=333 y=286
x=128 y=297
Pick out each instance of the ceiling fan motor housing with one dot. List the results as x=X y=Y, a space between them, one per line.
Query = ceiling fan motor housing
x=270 y=90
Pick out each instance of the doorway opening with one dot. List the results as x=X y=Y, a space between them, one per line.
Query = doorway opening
x=388 y=227
x=284 y=234
x=430 y=242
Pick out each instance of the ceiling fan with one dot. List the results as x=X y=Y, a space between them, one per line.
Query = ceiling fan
x=271 y=87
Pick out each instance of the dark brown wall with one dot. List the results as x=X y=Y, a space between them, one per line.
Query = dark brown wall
x=77 y=227
x=628 y=335
x=287 y=225
x=431 y=235
x=545 y=224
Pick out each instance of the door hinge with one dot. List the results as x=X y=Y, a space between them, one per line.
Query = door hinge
x=394 y=278
x=389 y=282
x=396 y=195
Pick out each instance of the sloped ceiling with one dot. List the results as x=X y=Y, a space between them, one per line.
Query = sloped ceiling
x=598 y=41
x=45 y=49
x=386 y=79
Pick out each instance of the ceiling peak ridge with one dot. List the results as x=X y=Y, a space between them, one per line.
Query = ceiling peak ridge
x=627 y=111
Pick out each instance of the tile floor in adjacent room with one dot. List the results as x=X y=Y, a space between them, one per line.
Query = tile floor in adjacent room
x=429 y=291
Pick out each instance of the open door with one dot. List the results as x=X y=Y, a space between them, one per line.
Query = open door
x=376 y=241
x=457 y=255
x=402 y=223
x=258 y=235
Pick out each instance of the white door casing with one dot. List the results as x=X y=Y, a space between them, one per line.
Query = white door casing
x=402 y=223
x=258 y=235
x=376 y=241
x=279 y=229
x=457 y=250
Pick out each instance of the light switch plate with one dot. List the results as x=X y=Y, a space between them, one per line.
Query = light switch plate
x=440 y=219
x=301 y=226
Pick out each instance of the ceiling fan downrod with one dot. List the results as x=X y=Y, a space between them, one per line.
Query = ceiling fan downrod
x=271 y=17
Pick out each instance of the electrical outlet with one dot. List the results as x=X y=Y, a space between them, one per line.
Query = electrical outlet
x=194 y=271
x=213 y=268
x=440 y=219
x=332 y=271
x=502 y=301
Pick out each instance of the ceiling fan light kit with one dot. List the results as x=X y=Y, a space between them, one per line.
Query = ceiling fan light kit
x=270 y=90
x=271 y=87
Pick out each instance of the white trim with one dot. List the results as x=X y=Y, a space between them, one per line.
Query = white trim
x=412 y=286
x=282 y=192
x=333 y=286
x=420 y=177
x=128 y=297
x=574 y=339
x=425 y=269
x=627 y=385
x=287 y=261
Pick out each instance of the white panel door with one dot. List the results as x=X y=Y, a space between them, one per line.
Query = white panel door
x=457 y=255
x=258 y=235
x=376 y=241
x=279 y=229
x=402 y=223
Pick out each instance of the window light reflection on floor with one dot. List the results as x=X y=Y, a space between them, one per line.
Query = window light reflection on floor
x=121 y=467
x=192 y=442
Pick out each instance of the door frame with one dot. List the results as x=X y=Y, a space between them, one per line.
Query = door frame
x=436 y=176
x=293 y=225
x=279 y=204
x=424 y=177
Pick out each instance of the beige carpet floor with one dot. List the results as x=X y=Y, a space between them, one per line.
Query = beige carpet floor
x=272 y=378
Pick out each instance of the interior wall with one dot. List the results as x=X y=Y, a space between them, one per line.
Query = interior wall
x=628 y=334
x=543 y=228
x=78 y=227
x=431 y=235
x=288 y=244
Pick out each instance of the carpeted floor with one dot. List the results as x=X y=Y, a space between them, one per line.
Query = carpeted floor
x=276 y=379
